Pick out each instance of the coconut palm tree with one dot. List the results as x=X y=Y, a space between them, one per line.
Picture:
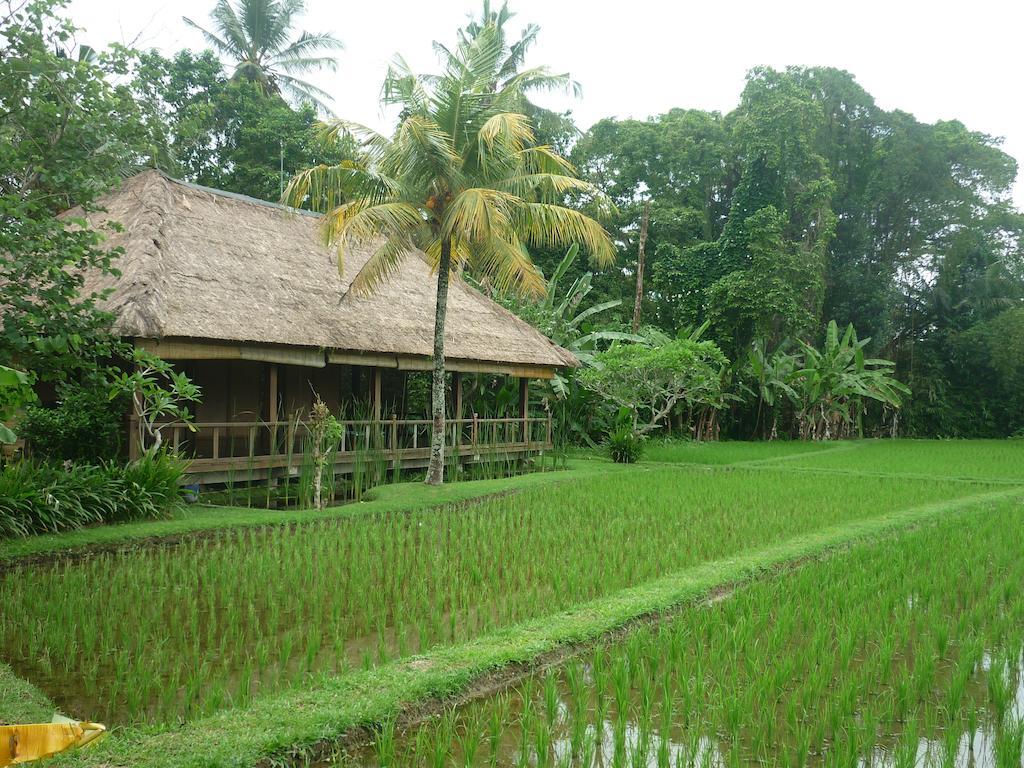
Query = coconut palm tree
x=255 y=34
x=461 y=181
x=513 y=58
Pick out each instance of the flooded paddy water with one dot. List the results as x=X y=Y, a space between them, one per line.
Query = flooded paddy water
x=905 y=652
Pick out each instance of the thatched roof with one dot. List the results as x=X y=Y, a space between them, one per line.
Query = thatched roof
x=203 y=264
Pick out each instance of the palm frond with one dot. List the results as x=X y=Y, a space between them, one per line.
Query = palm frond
x=374 y=143
x=507 y=264
x=324 y=187
x=511 y=129
x=547 y=225
x=302 y=90
x=359 y=222
x=308 y=43
x=217 y=43
x=385 y=261
x=478 y=214
x=547 y=186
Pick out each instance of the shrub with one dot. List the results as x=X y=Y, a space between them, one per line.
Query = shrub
x=150 y=487
x=625 y=445
x=84 y=426
x=41 y=497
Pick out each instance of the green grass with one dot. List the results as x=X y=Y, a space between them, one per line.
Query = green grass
x=730 y=452
x=274 y=727
x=850 y=660
x=990 y=460
x=250 y=612
x=22 y=702
x=264 y=635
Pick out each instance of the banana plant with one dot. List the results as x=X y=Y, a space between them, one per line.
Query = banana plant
x=834 y=382
x=559 y=317
x=770 y=376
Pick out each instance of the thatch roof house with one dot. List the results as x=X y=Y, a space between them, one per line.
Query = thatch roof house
x=244 y=295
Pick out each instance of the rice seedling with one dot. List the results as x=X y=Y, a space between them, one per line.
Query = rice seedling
x=286 y=602
x=728 y=452
x=702 y=688
x=982 y=459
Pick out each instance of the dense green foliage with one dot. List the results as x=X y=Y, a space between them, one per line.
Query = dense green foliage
x=652 y=381
x=84 y=425
x=15 y=393
x=225 y=132
x=810 y=203
x=66 y=135
x=38 y=497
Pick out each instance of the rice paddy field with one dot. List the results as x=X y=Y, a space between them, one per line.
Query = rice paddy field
x=901 y=644
x=900 y=653
x=992 y=460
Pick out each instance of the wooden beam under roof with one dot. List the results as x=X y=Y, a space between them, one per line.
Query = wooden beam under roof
x=199 y=349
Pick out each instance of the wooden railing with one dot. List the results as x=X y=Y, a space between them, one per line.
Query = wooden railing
x=223 y=446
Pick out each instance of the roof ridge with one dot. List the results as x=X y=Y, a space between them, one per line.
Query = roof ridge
x=236 y=195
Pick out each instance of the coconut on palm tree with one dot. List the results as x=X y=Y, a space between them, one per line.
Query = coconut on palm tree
x=461 y=181
x=257 y=36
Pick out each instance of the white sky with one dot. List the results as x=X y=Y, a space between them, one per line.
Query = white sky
x=937 y=59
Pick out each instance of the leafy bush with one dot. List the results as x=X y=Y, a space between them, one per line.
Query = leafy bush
x=84 y=426
x=39 y=497
x=625 y=445
x=149 y=486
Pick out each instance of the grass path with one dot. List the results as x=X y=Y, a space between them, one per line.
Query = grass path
x=298 y=721
x=20 y=701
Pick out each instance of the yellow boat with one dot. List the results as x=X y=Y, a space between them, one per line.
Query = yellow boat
x=26 y=743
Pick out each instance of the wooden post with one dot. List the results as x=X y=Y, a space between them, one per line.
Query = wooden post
x=272 y=409
x=375 y=389
x=524 y=405
x=394 y=434
x=640 y=266
x=457 y=386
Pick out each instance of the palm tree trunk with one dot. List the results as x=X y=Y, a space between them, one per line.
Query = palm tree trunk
x=435 y=472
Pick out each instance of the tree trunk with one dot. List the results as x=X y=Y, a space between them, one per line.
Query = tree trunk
x=435 y=472
x=640 y=266
x=318 y=472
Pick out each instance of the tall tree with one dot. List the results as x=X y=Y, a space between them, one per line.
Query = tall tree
x=257 y=36
x=678 y=161
x=461 y=180
x=553 y=128
x=227 y=133
x=67 y=134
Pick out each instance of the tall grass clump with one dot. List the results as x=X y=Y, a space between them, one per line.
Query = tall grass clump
x=44 y=497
